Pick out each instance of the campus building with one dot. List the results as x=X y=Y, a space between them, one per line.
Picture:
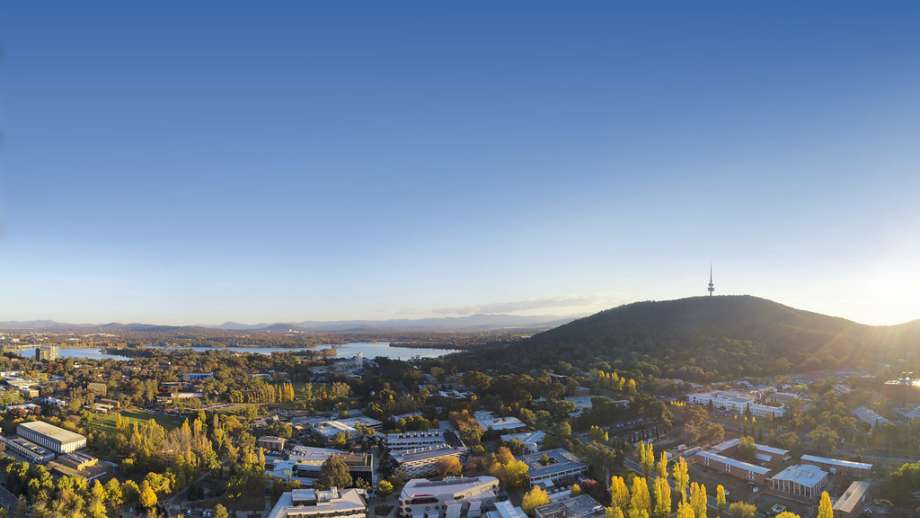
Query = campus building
x=29 y=451
x=763 y=453
x=547 y=467
x=737 y=402
x=453 y=497
x=580 y=506
x=854 y=501
x=311 y=503
x=402 y=441
x=424 y=461
x=844 y=467
x=52 y=437
x=307 y=462
x=733 y=467
x=803 y=480
x=488 y=421
x=532 y=441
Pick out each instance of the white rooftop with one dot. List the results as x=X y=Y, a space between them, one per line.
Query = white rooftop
x=802 y=474
x=747 y=466
x=840 y=463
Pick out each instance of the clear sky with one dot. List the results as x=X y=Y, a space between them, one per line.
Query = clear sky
x=271 y=161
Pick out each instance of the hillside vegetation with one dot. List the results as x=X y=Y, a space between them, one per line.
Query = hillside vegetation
x=705 y=338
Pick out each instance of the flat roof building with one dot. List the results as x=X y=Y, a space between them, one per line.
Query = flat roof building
x=532 y=441
x=734 y=467
x=52 y=437
x=424 y=461
x=838 y=465
x=453 y=497
x=402 y=441
x=27 y=450
x=488 y=421
x=271 y=443
x=853 y=501
x=737 y=402
x=802 y=480
x=311 y=503
x=553 y=465
x=580 y=506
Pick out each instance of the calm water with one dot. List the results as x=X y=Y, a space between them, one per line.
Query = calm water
x=369 y=349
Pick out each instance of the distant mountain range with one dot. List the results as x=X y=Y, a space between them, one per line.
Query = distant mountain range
x=468 y=324
x=701 y=337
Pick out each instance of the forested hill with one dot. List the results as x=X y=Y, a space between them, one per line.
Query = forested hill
x=703 y=338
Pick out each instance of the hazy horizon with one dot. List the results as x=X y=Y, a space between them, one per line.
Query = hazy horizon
x=188 y=164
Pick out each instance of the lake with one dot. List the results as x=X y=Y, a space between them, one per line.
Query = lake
x=368 y=349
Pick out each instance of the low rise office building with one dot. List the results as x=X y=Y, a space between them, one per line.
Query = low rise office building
x=734 y=467
x=423 y=462
x=403 y=441
x=737 y=402
x=550 y=466
x=844 y=467
x=311 y=503
x=27 y=450
x=453 y=497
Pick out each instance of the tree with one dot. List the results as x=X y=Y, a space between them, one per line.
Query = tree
x=221 y=512
x=684 y=510
x=640 y=499
x=449 y=466
x=742 y=510
x=384 y=487
x=663 y=465
x=613 y=512
x=681 y=477
x=787 y=514
x=721 y=502
x=334 y=473
x=747 y=449
x=662 y=497
x=147 y=496
x=619 y=493
x=513 y=473
x=534 y=498
x=575 y=490
x=114 y=495
x=698 y=500
x=825 y=508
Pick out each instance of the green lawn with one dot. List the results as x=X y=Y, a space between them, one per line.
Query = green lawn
x=106 y=422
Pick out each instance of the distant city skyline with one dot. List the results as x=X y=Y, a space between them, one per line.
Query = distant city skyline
x=195 y=164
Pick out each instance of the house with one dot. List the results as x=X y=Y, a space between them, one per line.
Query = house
x=550 y=466
x=453 y=497
x=803 y=480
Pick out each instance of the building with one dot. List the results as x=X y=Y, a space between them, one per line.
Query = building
x=737 y=402
x=580 y=506
x=46 y=353
x=307 y=462
x=271 y=443
x=854 y=501
x=100 y=389
x=80 y=465
x=532 y=441
x=424 y=461
x=870 y=417
x=329 y=428
x=488 y=421
x=803 y=480
x=453 y=497
x=52 y=437
x=733 y=467
x=197 y=376
x=846 y=467
x=27 y=450
x=547 y=467
x=402 y=441
x=505 y=509
x=763 y=453
x=311 y=503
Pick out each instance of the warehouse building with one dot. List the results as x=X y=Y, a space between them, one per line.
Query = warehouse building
x=802 y=480
x=52 y=437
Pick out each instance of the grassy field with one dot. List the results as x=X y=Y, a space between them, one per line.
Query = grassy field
x=106 y=422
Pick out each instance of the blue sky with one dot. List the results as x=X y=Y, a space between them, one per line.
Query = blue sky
x=251 y=162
